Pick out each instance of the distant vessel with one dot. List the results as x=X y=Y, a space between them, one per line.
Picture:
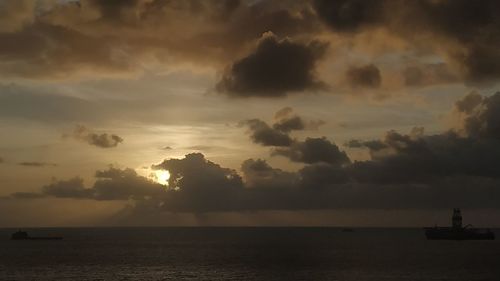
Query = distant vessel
x=23 y=235
x=457 y=232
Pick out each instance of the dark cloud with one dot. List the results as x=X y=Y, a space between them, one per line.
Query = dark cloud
x=469 y=103
x=51 y=41
x=198 y=184
x=322 y=175
x=349 y=15
x=72 y=188
x=123 y=184
x=354 y=143
x=314 y=150
x=403 y=159
x=467 y=31
x=114 y=9
x=285 y=121
x=36 y=164
x=46 y=41
x=104 y=140
x=396 y=181
x=374 y=146
x=263 y=134
x=289 y=124
x=274 y=69
x=364 y=76
x=194 y=172
x=258 y=173
x=474 y=24
x=110 y=184
x=42 y=50
x=481 y=115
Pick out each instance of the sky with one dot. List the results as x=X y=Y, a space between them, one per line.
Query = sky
x=249 y=113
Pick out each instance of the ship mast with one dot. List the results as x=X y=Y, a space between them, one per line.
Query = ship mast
x=456 y=219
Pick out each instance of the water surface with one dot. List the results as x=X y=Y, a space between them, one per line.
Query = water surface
x=245 y=254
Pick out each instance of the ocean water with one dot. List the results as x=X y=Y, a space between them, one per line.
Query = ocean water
x=245 y=254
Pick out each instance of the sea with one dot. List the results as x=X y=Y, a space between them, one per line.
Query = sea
x=245 y=253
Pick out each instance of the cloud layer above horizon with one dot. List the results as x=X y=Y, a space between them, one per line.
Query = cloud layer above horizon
x=406 y=171
x=250 y=106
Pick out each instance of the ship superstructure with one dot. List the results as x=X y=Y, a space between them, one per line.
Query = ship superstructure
x=457 y=231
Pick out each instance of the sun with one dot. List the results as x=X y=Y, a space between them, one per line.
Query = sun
x=161 y=177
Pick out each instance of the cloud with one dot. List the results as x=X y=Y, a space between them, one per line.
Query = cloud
x=394 y=181
x=289 y=124
x=72 y=188
x=197 y=184
x=407 y=159
x=275 y=69
x=258 y=173
x=321 y=175
x=123 y=184
x=110 y=184
x=367 y=76
x=263 y=134
x=463 y=34
x=481 y=115
x=283 y=113
x=37 y=164
x=14 y=15
x=469 y=103
x=429 y=74
x=20 y=101
x=26 y=195
x=405 y=171
x=314 y=150
x=60 y=52
x=349 y=15
x=278 y=134
x=194 y=171
x=203 y=147
x=475 y=26
x=127 y=34
x=47 y=39
x=104 y=140
x=285 y=120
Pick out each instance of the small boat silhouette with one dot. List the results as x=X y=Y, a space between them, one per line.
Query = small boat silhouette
x=23 y=235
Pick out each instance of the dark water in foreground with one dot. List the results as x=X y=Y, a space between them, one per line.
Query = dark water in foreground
x=245 y=254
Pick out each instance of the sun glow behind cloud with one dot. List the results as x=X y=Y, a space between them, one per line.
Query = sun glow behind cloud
x=161 y=177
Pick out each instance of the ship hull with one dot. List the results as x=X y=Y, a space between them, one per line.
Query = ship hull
x=449 y=233
x=38 y=238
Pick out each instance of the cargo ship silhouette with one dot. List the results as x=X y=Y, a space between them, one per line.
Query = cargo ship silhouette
x=23 y=235
x=457 y=231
